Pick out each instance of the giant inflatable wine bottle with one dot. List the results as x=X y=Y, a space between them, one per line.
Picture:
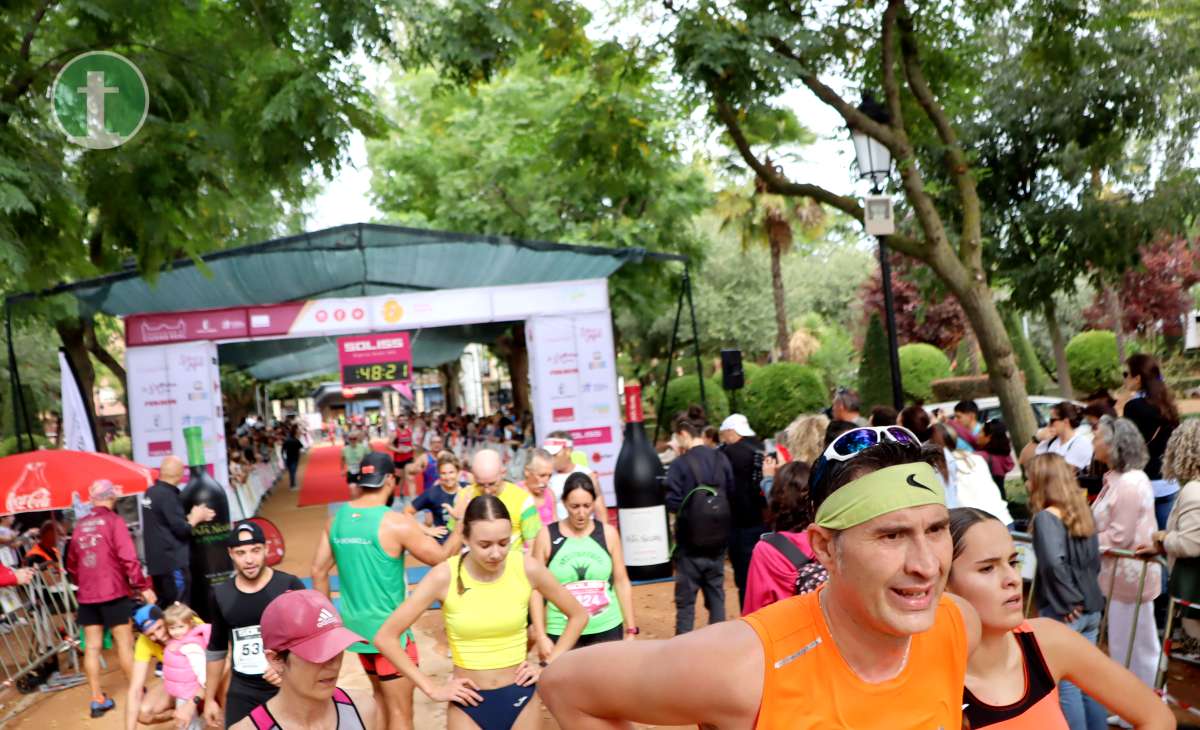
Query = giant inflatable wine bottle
x=641 y=510
x=210 y=562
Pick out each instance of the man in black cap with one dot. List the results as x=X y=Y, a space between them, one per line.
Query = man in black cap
x=240 y=603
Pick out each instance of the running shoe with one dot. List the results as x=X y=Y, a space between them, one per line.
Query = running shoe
x=99 y=708
x=1188 y=650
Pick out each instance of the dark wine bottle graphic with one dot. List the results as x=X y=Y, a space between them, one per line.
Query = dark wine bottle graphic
x=641 y=508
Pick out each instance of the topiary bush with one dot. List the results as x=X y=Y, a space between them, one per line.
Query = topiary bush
x=780 y=392
x=683 y=391
x=8 y=444
x=874 y=370
x=1092 y=360
x=121 y=446
x=920 y=365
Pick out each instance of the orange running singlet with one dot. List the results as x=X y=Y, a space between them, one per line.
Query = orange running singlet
x=808 y=686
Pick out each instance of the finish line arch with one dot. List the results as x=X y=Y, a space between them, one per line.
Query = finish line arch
x=172 y=361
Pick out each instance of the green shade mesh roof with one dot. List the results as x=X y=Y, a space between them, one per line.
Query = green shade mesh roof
x=359 y=259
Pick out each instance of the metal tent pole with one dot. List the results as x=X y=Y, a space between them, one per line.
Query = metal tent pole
x=662 y=398
x=687 y=287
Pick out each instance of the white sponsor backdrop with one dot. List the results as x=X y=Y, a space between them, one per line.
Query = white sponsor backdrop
x=172 y=387
x=77 y=427
x=572 y=368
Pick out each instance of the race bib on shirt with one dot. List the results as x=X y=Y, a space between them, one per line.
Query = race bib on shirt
x=591 y=594
x=248 y=656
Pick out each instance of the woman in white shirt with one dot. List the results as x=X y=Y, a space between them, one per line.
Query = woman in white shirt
x=1061 y=436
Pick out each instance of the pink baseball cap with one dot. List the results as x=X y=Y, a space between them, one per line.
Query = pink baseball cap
x=307 y=624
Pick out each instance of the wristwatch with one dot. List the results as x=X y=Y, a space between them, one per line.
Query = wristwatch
x=633 y=632
x=198 y=701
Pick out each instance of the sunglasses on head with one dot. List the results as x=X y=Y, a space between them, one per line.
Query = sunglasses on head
x=855 y=441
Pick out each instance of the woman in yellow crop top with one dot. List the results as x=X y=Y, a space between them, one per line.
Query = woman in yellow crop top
x=485 y=595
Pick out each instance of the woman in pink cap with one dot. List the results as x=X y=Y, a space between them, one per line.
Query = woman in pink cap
x=304 y=639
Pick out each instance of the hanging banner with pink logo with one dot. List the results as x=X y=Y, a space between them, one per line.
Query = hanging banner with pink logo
x=367 y=361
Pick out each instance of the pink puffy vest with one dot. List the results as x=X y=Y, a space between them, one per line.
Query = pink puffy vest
x=180 y=680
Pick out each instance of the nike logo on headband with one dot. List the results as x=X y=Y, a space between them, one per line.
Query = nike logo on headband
x=912 y=482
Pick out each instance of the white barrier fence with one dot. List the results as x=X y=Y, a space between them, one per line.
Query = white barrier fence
x=38 y=632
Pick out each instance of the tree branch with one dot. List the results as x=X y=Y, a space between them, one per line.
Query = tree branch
x=852 y=116
x=777 y=183
x=27 y=41
x=956 y=159
x=891 y=86
x=102 y=354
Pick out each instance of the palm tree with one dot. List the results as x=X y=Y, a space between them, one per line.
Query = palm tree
x=762 y=218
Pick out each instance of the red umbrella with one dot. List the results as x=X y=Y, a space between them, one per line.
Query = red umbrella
x=44 y=480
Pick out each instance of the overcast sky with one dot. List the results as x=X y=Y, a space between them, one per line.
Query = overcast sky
x=346 y=199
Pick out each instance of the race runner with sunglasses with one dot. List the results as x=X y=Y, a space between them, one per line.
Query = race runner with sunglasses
x=879 y=646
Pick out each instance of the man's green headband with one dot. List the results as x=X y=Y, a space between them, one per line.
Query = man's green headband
x=887 y=490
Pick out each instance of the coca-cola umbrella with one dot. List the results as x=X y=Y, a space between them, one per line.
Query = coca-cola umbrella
x=50 y=479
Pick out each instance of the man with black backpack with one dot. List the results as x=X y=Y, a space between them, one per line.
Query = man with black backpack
x=698 y=486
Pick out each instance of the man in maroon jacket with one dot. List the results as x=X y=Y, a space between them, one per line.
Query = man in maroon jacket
x=104 y=564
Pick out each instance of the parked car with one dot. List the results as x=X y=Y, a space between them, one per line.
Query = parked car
x=989 y=408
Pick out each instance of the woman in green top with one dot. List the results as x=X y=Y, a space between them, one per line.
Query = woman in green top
x=585 y=556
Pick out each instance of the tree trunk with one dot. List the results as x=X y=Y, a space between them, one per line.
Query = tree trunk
x=781 y=323
x=518 y=370
x=1060 y=350
x=1114 y=311
x=450 y=387
x=72 y=332
x=95 y=347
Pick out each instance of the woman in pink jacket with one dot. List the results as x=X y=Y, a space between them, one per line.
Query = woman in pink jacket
x=1124 y=512
x=775 y=572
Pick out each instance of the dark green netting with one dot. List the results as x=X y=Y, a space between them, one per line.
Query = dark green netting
x=304 y=357
x=352 y=260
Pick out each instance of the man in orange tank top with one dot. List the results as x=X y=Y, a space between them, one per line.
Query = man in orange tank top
x=879 y=646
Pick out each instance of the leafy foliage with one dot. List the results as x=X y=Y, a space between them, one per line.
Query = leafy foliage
x=1092 y=357
x=780 y=392
x=925 y=312
x=684 y=391
x=874 y=370
x=920 y=365
x=1158 y=290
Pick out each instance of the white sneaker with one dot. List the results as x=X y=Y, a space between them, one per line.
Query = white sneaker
x=1116 y=720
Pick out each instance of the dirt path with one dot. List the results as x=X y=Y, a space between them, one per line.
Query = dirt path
x=300 y=526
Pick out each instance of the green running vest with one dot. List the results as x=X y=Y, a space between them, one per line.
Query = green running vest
x=372 y=582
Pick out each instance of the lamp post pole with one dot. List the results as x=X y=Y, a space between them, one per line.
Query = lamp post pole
x=889 y=310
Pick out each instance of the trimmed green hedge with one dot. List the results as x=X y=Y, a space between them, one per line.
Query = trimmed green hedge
x=8 y=444
x=966 y=387
x=874 y=370
x=920 y=365
x=683 y=391
x=780 y=392
x=1092 y=359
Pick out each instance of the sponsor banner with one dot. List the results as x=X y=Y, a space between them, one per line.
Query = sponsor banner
x=171 y=387
x=76 y=424
x=164 y=328
x=373 y=360
x=345 y=315
x=574 y=386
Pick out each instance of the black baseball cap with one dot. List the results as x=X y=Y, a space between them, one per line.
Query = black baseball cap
x=247 y=532
x=375 y=467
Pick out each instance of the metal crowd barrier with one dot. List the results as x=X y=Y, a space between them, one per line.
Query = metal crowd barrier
x=40 y=624
x=1029 y=572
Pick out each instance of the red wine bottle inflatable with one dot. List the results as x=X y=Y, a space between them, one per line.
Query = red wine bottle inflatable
x=210 y=563
x=641 y=508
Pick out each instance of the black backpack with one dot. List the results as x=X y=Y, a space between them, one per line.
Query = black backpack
x=705 y=518
x=809 y=573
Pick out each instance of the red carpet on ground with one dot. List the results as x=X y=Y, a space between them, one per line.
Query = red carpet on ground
x=324 y=481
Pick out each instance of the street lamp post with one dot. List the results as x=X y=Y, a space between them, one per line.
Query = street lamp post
x=875 y=164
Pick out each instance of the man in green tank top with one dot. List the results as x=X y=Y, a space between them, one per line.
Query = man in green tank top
x=367 y=542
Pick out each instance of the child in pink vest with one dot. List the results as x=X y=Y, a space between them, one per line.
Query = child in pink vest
x=184 y=670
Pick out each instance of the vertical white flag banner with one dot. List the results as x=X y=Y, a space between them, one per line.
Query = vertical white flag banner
x=77 y=427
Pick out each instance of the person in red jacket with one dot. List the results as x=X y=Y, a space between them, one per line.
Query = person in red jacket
x=103 y=562
x=15 y=576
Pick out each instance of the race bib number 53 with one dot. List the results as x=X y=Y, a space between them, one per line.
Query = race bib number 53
x=248 y=656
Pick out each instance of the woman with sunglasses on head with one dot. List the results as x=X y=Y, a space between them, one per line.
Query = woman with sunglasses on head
x=1153 y=411
x=485 y=595
x=1061 y=437
x=1011 y=675
x=1068 y=566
